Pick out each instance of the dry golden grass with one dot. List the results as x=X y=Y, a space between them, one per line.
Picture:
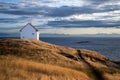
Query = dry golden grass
x=14 y=68
x=112 y=77
x=104 y=66
x=41 y=52
x=37 y=60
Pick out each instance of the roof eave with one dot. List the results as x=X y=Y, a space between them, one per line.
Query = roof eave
x=31 y=25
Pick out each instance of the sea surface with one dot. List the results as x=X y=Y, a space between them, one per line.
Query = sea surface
x=108 y=46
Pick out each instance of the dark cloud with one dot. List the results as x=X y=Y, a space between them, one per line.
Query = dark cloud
x=8 y=20
x=9 y=8
x=10 y=28
x=111 y=7
x=63 y=11
x=68 y=10
x=82 y=24
x=13 y=20
x=99 y=2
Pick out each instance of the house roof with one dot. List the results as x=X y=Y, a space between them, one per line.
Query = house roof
x=31 y=26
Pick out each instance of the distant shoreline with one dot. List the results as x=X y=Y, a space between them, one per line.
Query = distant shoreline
x=9 y=38
x=62 y=37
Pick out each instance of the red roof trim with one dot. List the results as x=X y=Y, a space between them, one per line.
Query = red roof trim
x=31 y=25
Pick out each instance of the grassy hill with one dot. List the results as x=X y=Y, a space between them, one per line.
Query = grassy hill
x=37 y=60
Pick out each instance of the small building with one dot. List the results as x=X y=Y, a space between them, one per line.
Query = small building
x=29 y=32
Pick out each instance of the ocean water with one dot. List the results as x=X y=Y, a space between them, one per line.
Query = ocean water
x=108 y=46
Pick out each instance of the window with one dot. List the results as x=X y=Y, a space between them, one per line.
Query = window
x=32 y=33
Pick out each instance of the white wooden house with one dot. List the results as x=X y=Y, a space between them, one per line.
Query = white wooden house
x=29 y=32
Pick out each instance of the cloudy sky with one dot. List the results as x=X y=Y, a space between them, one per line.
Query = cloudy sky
x=61 y=16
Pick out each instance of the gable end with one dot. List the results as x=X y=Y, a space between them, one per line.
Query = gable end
x=30 y=25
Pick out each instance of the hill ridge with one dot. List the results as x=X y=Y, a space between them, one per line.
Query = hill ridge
x=90 y=64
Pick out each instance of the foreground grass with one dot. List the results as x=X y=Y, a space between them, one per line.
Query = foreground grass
x=14 y=68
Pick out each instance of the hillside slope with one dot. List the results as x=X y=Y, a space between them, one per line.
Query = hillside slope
x=37 y=60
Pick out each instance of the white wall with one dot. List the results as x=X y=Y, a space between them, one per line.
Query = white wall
x=38 y=35
x=29 y=32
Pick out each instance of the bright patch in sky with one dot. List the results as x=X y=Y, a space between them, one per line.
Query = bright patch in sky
x=74 y=31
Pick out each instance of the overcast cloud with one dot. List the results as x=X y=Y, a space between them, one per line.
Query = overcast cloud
x=57 y=14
